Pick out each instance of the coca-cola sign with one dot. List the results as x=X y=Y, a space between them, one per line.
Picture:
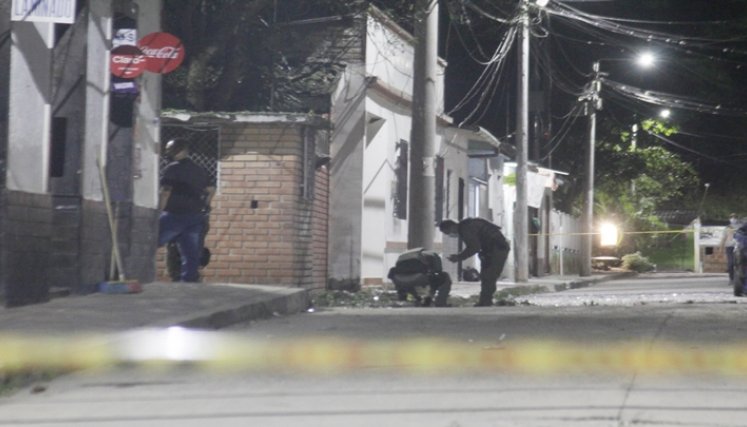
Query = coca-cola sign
x=127 y=62
x=164 y=52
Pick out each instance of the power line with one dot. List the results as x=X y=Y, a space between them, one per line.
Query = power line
x=672 y=101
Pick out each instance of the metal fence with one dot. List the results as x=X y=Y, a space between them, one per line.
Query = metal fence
x=565 y=243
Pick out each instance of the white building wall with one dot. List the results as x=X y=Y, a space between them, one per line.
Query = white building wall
x=346 y=178
x=509 y=202
x=454 y=150
x=98 y=78
x=147 y=127
x=30 y=106
x=381 y=229
x=389 y=57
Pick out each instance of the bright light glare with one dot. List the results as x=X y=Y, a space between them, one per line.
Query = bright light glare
x=665 y=113
x=646 y=59
x=608 y=234
x=542 y=3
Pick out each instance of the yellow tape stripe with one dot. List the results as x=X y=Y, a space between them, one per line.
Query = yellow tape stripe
x=214 y=351
x=623 y=233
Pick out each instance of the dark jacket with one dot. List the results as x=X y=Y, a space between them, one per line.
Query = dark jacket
x=480 y=235
x=188 y=183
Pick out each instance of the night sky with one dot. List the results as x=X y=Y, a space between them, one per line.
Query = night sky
x=701 y=50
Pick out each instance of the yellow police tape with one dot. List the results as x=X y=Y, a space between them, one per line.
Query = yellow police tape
x=622 y=233
x=225 y=352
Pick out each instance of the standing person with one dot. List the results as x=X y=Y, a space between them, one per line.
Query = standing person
x=727 y=244
x=185 y=194
x=484 y=238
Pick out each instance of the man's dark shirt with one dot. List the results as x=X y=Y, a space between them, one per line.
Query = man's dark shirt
x=480 y=235
x=188 y=182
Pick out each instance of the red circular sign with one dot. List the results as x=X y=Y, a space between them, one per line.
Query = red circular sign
x=127 y=62
x=164 y=51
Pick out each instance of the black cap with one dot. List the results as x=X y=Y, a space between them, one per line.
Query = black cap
x=176 y=145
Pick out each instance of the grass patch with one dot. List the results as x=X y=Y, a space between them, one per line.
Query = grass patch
x=365 y=298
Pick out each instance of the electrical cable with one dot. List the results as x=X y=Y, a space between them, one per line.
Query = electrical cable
x=565 y=128
x=672 y=101
x=564 y=11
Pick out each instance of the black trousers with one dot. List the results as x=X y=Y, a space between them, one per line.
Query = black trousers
x=491 y=267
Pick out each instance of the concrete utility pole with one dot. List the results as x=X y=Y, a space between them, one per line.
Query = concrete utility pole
x=593 y=103
x=422 y=221
x=521 y=226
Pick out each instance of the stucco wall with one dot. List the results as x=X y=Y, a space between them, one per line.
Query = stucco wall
x=346 y=179
x=384 y=235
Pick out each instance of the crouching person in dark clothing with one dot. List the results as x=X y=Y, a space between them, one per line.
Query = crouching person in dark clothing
x=484 y=238
x=419 y=268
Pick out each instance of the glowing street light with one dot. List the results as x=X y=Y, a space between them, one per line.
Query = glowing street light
x=646 y=59
x=665 y=113
x=608 y=234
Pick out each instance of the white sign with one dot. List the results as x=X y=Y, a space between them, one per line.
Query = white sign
x=57 y=11
x=125 y=37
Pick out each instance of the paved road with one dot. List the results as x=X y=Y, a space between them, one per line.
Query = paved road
x=645 y=289
x=372 y=397
x=691 y=309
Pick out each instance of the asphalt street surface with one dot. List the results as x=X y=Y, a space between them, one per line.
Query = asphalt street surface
x=694 y=312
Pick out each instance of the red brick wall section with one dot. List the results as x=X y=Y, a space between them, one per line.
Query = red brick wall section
x=281 y=241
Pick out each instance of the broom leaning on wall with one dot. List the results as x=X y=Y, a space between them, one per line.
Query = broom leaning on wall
x=122 y=285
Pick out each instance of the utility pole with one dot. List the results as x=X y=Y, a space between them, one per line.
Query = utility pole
x=422 y=221
x=592 y=103
x=521 y=226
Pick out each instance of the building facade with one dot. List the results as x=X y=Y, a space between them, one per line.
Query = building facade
x=61 y=119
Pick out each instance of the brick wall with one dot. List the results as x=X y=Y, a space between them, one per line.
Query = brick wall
x=262 y=229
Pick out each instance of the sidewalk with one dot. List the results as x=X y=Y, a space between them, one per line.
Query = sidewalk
x=203 y=306
x=161 y=304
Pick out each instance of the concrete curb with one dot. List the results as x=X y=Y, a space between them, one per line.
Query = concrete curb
x=286 y=301
x=585 y=283
x=572 y=284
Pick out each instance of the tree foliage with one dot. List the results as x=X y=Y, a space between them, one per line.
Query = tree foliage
x=235 y=48
x=630 y=181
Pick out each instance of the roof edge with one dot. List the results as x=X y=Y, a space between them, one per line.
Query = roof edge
x=244 y=117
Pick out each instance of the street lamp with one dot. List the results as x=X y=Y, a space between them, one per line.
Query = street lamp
x=593 y=103
x=646 y=59
x=665 y=113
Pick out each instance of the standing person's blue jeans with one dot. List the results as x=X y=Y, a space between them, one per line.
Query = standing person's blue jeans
x=185 y=230
x=730 y=262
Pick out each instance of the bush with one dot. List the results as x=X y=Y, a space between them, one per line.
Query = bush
x=637 y=262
